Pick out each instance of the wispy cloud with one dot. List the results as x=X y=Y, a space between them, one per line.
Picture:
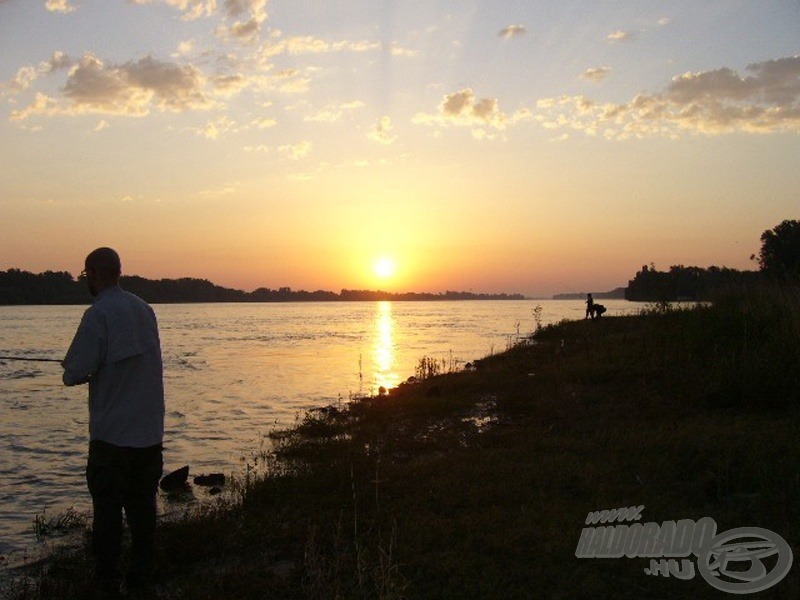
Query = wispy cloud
x=596 y=73
x=216 y=128
x=401 y=51
x=296 y=151
x=263 y=123
x=334 y=113
x=289 y=81
x=226 y=189
x=230 y=85
x=191 y=9
x=381 y=132
x=60 y=6
x=25 y=76
x=185 y=48
x=308 y=44
x=512 y=31
x=620 y=36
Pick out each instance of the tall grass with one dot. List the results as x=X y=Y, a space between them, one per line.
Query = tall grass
x=750 y=345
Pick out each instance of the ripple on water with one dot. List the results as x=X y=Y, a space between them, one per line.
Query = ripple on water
x=232 y=372
x=42 y=450
x=21 y=374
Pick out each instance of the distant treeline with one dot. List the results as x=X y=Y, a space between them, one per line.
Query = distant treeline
x=22 y=287
x=615 y=294
x=685 y=283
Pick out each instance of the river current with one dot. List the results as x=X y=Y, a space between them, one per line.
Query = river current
x=232 y=372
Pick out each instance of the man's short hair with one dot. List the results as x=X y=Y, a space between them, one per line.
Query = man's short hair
x=106 y=261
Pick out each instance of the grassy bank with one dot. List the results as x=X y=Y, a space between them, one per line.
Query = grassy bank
x=477 y=484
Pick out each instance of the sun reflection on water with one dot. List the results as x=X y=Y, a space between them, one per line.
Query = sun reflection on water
x=383 y=348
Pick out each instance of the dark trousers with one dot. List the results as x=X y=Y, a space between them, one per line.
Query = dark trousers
x=123 y=479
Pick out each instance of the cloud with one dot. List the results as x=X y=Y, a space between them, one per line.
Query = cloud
x=60 y=6
x=382 y=131
x=333 y=113
x=463 y=108
x=237 y=8
x=254 y=14
x=131 y=89
x=289 y=81
x=214 y=129
x=185 y=47
x=59 y=60
x=296 y=151
x=135 y=86
x=353 y=105
x=596 y=73
x=226 y=189
x=764 y=100
x=512 y=31
x=191 y=9
x=400 y=51
x=25 y=76
x=775 y=82
x=326 y=115
x=22 y=80
x=42 y=105
x=523 y=114
x=311 y=45
x=263 y=123
x=620 y=36
x=230 y=85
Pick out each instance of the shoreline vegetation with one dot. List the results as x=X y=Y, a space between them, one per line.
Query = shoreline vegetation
x=24 y=288
x=679 y=283
x=477 y=483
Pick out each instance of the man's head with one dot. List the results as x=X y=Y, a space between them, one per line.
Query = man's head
x=102 y=269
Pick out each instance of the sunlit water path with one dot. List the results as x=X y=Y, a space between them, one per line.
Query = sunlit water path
x=233 y=372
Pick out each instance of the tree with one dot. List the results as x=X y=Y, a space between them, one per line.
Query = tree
x=780 y=250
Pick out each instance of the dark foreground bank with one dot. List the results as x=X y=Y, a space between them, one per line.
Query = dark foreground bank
x=478 y=484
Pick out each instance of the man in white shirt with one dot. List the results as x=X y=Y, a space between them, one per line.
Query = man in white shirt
x=117 y=351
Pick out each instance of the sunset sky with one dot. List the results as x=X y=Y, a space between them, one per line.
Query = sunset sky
x=529 y=146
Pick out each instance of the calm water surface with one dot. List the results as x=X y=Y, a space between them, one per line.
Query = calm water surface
x=233 y=372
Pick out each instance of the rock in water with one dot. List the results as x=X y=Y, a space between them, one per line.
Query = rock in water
x=212 y=480
x=176 y=480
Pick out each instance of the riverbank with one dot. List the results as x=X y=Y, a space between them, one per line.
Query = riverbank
x=478 y=483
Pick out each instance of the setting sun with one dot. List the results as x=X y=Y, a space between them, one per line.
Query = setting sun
x=384 y=267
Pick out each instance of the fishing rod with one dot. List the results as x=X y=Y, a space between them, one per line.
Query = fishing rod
x=30 y=358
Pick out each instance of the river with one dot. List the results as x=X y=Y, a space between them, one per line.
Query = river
x=232 y=372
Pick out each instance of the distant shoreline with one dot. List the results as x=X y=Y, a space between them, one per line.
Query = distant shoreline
x=615 y=294
x=18 y=288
